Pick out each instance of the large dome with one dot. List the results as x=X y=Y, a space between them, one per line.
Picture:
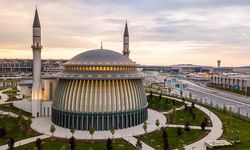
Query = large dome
x=100 y=57
x=99 y=88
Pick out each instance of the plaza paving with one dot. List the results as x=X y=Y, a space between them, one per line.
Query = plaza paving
x=42 y=125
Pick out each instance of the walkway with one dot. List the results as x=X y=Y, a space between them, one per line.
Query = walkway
x=42 y=125
x=214 y=134
x=133 y=140
x=25 y=141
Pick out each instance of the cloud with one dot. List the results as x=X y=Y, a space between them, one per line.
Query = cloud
x=161 y=32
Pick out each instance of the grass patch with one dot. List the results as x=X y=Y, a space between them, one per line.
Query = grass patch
x=11 y=108
x=236 y=124
x=154 y=139
x=119 y=144
x=185 y=115
x=165 y=104
x=13 y=131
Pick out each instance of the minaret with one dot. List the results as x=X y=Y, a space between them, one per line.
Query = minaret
x=126 y=42
x=36 y=88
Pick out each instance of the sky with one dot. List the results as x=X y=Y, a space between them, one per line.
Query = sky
x=162 y=32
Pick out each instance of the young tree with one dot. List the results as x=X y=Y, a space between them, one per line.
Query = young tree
x=28 y=122
x=112 y=130
x=145 y=126
x=174 y=114
x=151 y=94
x=72 y=130
x=193 y=105
x=187 y=128
x=169 y=90
x=91 y=131
x=157 y=123
x=109 y=144
x=72 y=143
x=138 y=144
x=190 y=95
x=39 y=144
x=11 y=143
x=179 y=131
x=203 y=125
x=52 y=131
x=3 y=132
x=181 y=93
x=165 y=140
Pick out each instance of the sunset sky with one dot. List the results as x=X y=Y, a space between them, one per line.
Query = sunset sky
x=161 y=32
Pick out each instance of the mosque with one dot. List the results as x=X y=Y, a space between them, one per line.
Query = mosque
x=98 y=88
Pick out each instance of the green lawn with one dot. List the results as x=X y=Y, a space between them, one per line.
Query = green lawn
x=236 y=125
x=119 y=144
x=165 y=104
x=155 y=139
x=11 y=108
x=11 y=125
x=184 y=116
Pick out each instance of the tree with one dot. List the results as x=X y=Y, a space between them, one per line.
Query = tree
x=203 y=125
x=181 y=93
x=165 y=140
x=151 y=94
x=169 y=90
x=193 y=105
x=145 y=126
x=187 y=128
x=72 y=130
x=112 y=130
x=91 y=131
x=205 y=120
x=179 y=131
x=28 y=123
x=174 y=114
x=11 y=143
x=52 y=131
x=138 y=144
x=157 y=123
x=190 y=95
x=109 y=144
x=72 y=143
x=39 y=144
x=3 y=132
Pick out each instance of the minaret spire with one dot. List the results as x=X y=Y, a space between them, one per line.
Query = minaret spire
x=36 y=22
x=36 y=87
x=126 y=41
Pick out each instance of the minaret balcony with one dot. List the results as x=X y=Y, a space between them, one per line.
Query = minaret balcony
x=36 y=46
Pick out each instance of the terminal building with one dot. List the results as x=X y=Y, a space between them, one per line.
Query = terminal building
x=232 y=81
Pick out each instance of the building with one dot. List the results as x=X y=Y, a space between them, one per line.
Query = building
x=99 y=88
x=232 y=81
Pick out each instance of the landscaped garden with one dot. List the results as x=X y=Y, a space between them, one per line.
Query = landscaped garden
x=14 y=128
x=234 y=130
x=190 y=115
x=12 y=93
x=162 y=104
x=10 y=108
x=177 y=137
x=47 y=144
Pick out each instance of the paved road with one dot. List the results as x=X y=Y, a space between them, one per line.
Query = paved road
x=236 y=102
